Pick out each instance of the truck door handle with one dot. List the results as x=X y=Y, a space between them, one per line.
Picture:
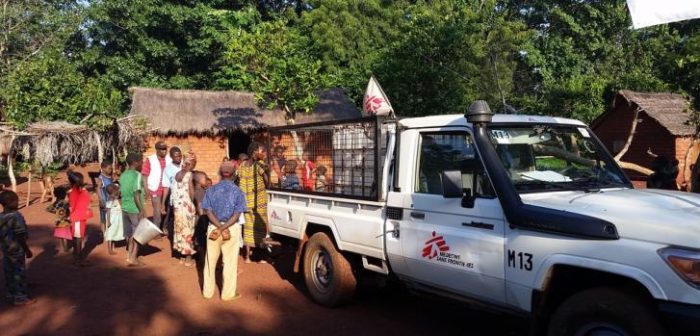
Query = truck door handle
x=417 y=215
x=479 y=225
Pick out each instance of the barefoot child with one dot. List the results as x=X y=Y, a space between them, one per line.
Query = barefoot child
x=115 y=218
x=61 y=208
x=13 y=244
x=103 y=181
x=79 y=201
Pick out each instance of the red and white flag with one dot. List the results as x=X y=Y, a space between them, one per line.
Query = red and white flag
x=647 y=13
x=375 y=101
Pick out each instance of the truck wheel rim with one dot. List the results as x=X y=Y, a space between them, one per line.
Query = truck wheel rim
x=323 y=270
x=601 y=329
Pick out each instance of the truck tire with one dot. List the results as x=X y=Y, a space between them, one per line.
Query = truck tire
x=605 y=311
x=328 y=274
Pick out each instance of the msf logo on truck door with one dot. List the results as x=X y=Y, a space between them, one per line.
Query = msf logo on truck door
x=437 y=250
x=434 y=246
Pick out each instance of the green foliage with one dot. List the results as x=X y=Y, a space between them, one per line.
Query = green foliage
x=50 y=87
x=270 y=58
x=67 y=60
x=585 y=51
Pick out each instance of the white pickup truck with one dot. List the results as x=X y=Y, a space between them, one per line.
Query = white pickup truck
x=525 y=214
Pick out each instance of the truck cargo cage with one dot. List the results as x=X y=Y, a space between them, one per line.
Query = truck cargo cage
x=338 y=158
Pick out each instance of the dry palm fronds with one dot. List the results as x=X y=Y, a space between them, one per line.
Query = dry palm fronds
x=60 y=141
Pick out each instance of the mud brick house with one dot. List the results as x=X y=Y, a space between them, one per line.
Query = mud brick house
x=664 y=127
x=219 y=124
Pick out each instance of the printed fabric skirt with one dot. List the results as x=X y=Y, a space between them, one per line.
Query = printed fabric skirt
x=184 y=225
x=254 y=227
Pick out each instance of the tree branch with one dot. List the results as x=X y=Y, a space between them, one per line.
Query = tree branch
x=633 y=130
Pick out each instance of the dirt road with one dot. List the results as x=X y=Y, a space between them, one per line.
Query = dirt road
x=164 y=298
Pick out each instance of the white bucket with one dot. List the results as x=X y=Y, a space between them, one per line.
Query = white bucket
x=146 y=231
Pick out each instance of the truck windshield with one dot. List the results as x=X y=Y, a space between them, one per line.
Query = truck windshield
x=554 y=157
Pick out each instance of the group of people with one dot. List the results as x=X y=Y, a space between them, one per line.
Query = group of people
x=284 y=172
x=212 y=221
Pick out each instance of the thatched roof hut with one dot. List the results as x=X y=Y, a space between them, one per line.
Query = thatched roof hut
x=664 y=127
x=217 y=124
x=670 y=110
x=180 y=112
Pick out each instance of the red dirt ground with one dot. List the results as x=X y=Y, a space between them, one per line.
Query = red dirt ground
x=164 y=298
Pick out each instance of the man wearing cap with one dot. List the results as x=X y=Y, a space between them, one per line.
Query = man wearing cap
x=224 y=203
x=154 y=171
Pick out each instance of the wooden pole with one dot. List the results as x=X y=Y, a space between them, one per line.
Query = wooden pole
x=10 y=168
x=29 y=189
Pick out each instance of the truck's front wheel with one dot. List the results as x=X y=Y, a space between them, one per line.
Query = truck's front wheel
x=603 y=312
x=328 y=274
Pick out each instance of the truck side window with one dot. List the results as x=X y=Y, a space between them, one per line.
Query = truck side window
x=441 y=151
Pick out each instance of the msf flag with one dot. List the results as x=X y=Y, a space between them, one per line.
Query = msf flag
x=647 y=13
x=375 y=101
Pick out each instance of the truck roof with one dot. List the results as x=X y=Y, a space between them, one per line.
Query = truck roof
x=459 y=120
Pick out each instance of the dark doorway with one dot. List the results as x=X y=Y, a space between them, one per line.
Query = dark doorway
x=238 y=143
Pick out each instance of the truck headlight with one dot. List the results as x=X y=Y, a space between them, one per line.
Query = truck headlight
x=686 y=263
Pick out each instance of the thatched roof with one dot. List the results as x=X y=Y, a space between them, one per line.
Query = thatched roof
x=333 y=104
x=61 y=141
x=200 y=112
x=214 y=112
x=671 y=110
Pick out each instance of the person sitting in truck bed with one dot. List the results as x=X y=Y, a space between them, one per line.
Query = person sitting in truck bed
x=290 y=180
x=321 y=184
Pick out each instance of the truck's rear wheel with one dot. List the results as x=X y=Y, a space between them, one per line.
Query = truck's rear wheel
x=328 y=274
x=603 y=312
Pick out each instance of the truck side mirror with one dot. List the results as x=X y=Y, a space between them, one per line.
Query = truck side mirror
x=452 y=184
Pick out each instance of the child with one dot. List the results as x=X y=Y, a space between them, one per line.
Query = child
x=308 y=171
x=209 y=183
x=290 y=180
x=321 y=183
x=62 y=210
x=103 y=181
x=79 y=201
x=13 y=243
x=115 y=218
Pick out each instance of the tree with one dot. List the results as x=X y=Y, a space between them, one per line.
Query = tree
x=585 y=51
x=50 y=87
x=271 y=59
x=27 y=28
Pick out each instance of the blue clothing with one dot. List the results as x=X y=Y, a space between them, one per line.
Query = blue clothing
x=224 y=199
x=170 y=171
x=291 y=181
x=106 y=180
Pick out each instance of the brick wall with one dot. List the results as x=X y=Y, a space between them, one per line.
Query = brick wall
x=210 y=150
x=684 y=145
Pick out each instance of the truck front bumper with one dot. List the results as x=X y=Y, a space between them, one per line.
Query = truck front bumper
x=680 y=318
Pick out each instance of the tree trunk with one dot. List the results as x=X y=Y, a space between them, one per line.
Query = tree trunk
x=100 y=150
x=633 y=130
x=10 y=168
x=29 y=189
